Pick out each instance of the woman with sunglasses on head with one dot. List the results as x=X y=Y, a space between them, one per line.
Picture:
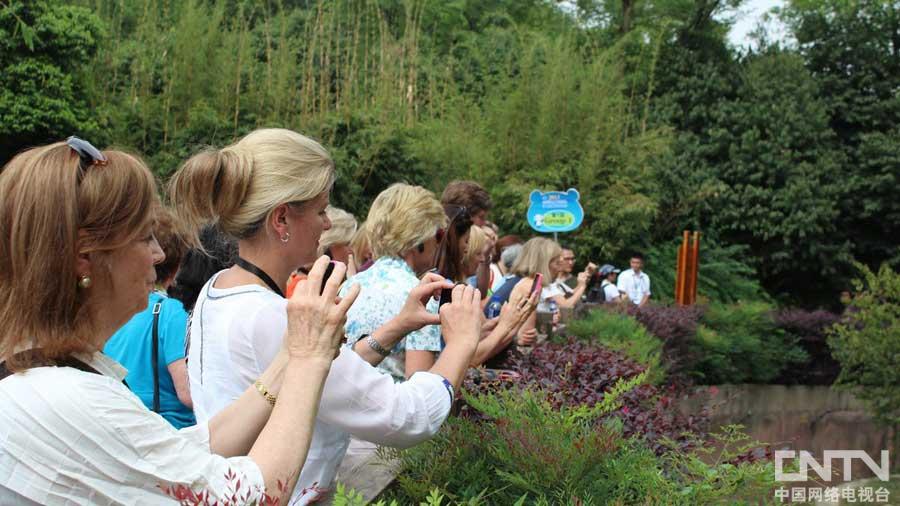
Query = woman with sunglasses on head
x=271 y=190
x=73 y=269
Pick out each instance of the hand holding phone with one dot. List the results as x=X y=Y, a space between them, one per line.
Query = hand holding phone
x=538 y=284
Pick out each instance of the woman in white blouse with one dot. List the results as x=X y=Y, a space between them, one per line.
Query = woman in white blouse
x=76 y=262
x=270 y=190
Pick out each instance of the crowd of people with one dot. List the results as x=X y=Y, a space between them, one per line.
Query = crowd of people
x=241 y=338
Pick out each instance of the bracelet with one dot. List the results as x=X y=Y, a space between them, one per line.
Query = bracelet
x=265 y=393
x=376 y=346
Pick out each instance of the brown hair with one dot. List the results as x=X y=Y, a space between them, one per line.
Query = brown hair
x=468 y=194
x=238 y=186
x=171 y=240
x=47 y=218
x=450 y=265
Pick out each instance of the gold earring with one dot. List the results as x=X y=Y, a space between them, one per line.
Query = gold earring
x=286 y=237
x=84 y=282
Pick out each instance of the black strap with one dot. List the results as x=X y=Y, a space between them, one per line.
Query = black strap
x=37 y=359
x=154 y=359
x=256 y=271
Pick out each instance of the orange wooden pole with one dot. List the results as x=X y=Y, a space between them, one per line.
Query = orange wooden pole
x=695 y=268
x=688 y=276
x=681 y=272
x=678 y=275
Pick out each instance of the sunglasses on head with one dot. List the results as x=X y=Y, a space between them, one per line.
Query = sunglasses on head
x=87 y=153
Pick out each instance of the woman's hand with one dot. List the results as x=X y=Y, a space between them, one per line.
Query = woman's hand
x=414 y=314
x=517 y=310
x=316 y=322
x=461 y=318
x=583 y=278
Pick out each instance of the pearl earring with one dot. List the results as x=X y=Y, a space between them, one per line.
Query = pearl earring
x=286 y=237
x=84 y=282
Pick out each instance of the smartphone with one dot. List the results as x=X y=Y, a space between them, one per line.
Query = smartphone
x=538 y=284
x=446 y=295
x=328 y=271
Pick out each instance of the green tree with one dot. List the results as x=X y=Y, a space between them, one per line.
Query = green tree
x=852 y=49
x=867 y=343
x=781 y=178
x=44 y=48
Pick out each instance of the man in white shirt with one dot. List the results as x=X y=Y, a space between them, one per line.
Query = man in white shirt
x=634 y=283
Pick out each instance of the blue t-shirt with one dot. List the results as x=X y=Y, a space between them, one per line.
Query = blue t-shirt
x=132 y=347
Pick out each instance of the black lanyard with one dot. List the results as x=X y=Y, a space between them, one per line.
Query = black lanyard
x=256 y=271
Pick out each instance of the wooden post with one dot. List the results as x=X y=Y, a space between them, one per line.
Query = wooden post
x=681 y=279
x=695 y=267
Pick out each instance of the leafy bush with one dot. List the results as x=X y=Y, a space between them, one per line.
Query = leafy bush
x=527 y=449
x=577 y=373
x=621 y=333
x=867 y=343
x=810 y=329
x=740 y=343
x=676 y=327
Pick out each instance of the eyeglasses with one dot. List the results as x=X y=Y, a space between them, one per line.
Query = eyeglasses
x=86 y=151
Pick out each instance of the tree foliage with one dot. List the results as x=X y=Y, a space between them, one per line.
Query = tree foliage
x=867 y=342
x=787 y=154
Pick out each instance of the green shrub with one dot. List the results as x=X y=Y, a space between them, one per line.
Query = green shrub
x=530 y=453
x=867 y=343
x=740 y=343
x=623 y=333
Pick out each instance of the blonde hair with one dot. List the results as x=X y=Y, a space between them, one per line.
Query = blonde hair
x=536 y=256
x=238 y=186
x=50 y=212
x=402 y=217
x=343 y=228
x=360 y=243
x=478 y=239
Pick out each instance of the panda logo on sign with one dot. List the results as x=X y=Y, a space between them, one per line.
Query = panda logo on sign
x=555 y=211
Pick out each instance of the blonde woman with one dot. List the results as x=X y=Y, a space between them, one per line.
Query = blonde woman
x=539 y=255
x=73 y=269
x=478 y=251
x=272 y=192
x=512 y=315
x=361 y=248
x=335 y=242
x=406 y=227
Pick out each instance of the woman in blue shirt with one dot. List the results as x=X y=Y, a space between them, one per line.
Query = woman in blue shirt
x=132 y=344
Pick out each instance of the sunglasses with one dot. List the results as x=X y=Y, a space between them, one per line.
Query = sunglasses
x=87 y=153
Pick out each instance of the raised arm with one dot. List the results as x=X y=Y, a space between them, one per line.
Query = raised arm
x=277 y=438
x=413 y=316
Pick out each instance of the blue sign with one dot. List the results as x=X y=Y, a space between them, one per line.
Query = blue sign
x=555 y=211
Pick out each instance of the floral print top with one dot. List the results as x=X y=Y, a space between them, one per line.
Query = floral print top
x=384 y=288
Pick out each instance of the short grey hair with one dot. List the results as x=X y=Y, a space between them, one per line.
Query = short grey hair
x=510 y=254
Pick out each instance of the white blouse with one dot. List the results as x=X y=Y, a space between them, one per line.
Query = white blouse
x=74 y=437
x=235 y=334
